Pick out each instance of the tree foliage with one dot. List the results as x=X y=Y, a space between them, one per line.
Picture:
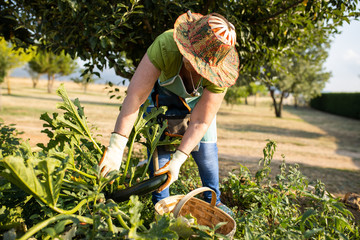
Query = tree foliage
x=52 y=64
x=301 y=74
x=234 y=94
x=117 y=33
x=11 y=58
x=84 y=80
x=91 y=30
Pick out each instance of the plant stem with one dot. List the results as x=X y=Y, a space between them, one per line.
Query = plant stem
x=128 y=157
x=82 y=173
x=120 y=219
x=51 y=220
x=72 y=211
x=96 y=145
x=108 y=221
x=147 y=165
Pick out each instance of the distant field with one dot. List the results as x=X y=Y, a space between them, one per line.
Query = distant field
x=326 y=146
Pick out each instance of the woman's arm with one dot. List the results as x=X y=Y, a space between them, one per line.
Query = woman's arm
x=139 y=89
x=200 y=119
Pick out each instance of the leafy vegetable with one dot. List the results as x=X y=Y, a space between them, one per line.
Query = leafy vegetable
x=66 y=198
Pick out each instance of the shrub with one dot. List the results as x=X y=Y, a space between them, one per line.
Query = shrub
x=343 y=104
x=9 y=140
x=286 y=208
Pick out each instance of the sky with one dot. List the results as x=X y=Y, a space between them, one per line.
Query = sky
x=343 y=62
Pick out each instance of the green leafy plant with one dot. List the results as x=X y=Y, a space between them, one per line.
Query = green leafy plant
x=63 y=181
x=286 y=208
x=65 y=196
x=147 y=125
x=9 y=140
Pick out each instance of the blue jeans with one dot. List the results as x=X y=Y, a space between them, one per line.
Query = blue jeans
x=206 y=159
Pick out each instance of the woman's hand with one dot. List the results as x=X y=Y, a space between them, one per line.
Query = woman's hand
x=112 y=157
x=172 y=169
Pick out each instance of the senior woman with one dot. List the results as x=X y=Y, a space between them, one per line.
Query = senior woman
x=188 y=69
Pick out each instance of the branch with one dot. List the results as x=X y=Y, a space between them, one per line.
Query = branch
x=273 y=16
x=147 y=25
x=205 y=9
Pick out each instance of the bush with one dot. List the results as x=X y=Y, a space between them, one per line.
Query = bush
x=343 y=104
x=286 y=209
x=9 y=140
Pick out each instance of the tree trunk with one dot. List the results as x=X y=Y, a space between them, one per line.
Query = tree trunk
x=278 y=107
x=0 y=97
x=272 y=94
x=246 y=101
x=48 y=85
x=8 y=85
x=51 y=79
x=295 y=102
x=35 y=81
x=255 y=99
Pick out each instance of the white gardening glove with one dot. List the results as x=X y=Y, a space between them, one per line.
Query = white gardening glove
x=172 y=168
x=113 y=154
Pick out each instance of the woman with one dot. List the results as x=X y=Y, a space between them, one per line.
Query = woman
x=191 y=65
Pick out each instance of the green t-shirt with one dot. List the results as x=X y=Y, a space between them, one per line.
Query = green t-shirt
x=166 y=57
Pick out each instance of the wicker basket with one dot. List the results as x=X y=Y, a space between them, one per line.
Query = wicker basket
x=205 y=213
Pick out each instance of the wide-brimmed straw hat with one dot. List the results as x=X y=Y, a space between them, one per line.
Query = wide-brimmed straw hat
x=208 y=42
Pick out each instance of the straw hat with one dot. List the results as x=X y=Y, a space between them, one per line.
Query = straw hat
x=208 y=42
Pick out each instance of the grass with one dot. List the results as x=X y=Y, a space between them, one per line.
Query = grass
x=22 y=111
x=326 y=146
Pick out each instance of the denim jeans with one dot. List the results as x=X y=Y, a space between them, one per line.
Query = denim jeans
x=206 y=159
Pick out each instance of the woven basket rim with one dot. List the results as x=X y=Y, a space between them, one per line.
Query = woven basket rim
x=173 y=200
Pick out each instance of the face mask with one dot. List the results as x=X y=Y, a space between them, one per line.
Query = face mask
x=176 y=85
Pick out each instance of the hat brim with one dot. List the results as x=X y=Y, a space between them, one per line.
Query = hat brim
x=224 y=74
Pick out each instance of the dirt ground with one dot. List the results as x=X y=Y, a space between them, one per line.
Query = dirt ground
x=327 y=147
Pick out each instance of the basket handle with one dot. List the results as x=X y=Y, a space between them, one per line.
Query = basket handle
x=191 y=194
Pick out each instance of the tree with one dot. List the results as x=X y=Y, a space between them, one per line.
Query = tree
x=309 y=78
x=116 y=34
x=11 y=58
x=90 y=30
x=255 y=89
x=302 y=73
x=234 y=94
x=84 y=80
x=35 y=76
x=52 y=64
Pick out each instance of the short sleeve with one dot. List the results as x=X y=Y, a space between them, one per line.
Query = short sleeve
x=156 y=54
x=212 y=87
x=165 y=55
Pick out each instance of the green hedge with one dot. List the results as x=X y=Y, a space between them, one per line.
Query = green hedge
x=343 y=104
